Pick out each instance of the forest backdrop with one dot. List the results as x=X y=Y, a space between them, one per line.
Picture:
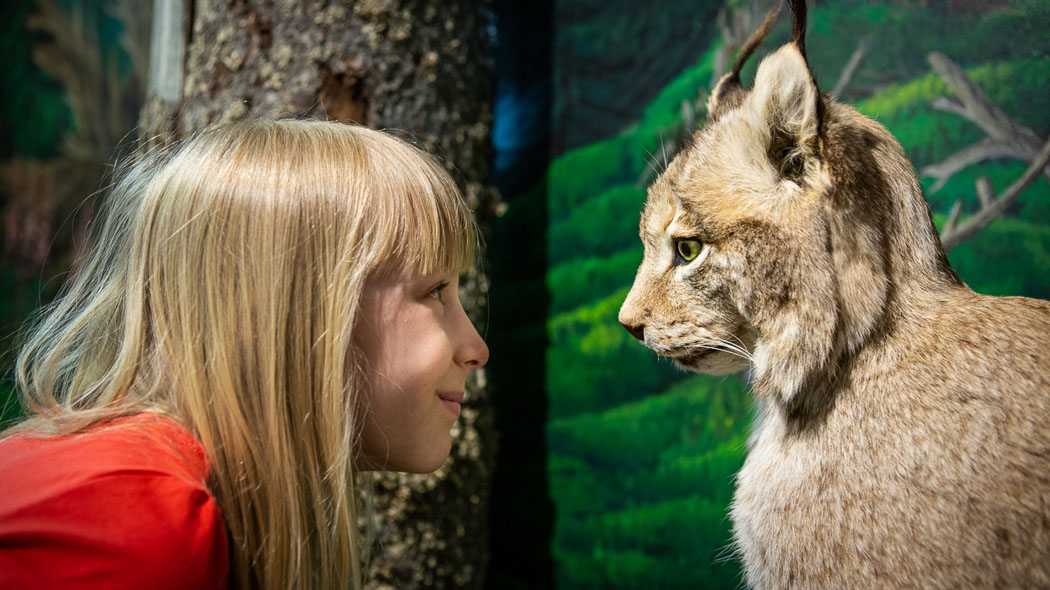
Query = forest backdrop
x=641 y=457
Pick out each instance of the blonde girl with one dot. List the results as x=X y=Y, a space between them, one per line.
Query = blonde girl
x=266 y=310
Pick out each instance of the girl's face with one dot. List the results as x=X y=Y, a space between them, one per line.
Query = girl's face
x=420 y=346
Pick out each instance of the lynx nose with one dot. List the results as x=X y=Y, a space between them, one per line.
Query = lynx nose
x=636 y=331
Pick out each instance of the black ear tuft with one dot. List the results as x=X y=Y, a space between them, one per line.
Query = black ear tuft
x=798 y=25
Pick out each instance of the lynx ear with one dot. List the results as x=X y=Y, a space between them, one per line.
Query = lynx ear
x=728 y=95
x=785 y=101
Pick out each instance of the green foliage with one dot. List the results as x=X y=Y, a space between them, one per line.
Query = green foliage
x=577 y=282
x=635 y=569
x=614 y=213
x=668 y=545
x=574 y=177
x=649 y=482
x=33 y=113
x=1018 y=87
x=704 y=411
x=1032 y=205
x=904 y=34
x=586 y=357
x=662 y=118
x=1010 y=257
x=599 y=87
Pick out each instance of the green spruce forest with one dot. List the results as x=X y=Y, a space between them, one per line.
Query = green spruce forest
x=642 y=456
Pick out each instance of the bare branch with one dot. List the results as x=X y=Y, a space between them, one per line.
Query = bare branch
x=688 y=116
x=986 y=149
x=955 y=235
x=985 y=191
x=953 y=216
x=736 y=25
x=851 y=66
x=1006 y=139
x=948 y=105
x=975 y=105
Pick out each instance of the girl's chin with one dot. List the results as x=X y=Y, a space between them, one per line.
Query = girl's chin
x=419 y=463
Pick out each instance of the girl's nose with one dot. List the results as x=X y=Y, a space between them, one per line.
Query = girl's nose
x=472 y=352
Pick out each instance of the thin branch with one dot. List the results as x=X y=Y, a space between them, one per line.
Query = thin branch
x=953 y=216
x=736 y=26
x=955 y=235
x=851 y=66
x=973 y=104
x=948 y=105
x=1006 y=138
x=985 y=191
x=977 y=106
x=986 y=149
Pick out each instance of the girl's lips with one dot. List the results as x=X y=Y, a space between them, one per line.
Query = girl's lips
x=452 y=399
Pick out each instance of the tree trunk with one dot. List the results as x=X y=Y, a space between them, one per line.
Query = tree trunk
x=420 y=67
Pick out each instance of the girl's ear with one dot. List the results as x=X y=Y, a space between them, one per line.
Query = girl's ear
x=785 y=102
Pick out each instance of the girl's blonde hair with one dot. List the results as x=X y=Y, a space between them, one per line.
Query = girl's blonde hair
x=222 y=289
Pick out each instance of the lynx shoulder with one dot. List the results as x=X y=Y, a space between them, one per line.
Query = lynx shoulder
x=904 y=437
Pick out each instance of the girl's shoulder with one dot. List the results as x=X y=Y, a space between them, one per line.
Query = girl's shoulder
x=124 y=504
x=145 y=441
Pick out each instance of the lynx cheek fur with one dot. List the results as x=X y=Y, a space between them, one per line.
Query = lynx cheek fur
x=904 y=440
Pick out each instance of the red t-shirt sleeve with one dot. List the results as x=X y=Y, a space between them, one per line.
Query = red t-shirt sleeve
x=122 y=509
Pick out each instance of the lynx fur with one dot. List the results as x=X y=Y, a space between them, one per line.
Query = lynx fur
x=903 y=439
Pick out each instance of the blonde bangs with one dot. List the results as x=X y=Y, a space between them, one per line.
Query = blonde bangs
x=427 y=227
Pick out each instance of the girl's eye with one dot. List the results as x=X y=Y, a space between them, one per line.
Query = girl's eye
x=438 y=292
x=687 y=250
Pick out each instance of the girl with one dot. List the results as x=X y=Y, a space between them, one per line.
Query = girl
x=267 y=310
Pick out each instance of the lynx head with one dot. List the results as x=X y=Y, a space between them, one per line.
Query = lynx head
x=779 y=236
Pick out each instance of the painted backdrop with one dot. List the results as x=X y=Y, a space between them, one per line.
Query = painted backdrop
x=641 y=457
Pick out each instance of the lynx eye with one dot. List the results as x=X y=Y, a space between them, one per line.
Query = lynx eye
x=687 y=250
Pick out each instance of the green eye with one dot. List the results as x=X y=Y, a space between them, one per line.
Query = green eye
x=688 y=250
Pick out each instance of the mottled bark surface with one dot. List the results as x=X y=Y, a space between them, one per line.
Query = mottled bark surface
x=420 y=67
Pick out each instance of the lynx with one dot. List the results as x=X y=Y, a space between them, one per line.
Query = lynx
x=903 y=437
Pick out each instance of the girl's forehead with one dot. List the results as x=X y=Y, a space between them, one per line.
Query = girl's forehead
x=417 y=277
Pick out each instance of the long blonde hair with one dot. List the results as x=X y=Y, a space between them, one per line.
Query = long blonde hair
x=222 y=289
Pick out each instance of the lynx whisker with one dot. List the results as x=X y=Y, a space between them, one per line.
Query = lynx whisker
x=738 y=350
x=724 y=345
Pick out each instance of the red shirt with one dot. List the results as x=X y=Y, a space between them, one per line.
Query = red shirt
x=123 y=505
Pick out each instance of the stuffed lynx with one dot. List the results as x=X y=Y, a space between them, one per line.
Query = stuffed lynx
x=903 y=439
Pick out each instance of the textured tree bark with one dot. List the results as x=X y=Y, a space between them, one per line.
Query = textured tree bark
x=419 y=67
